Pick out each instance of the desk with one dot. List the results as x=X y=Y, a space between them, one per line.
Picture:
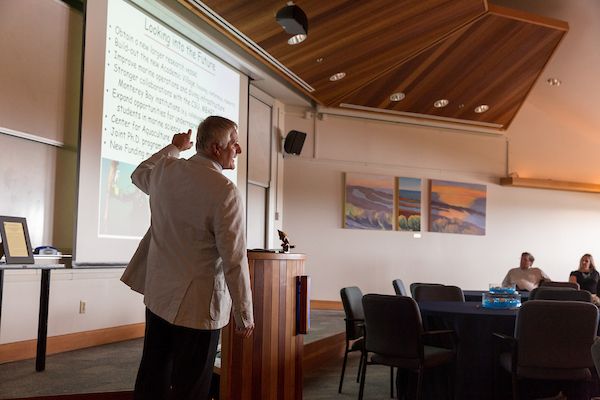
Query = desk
x=474 y=325
x=475 y=295
x=40 y=360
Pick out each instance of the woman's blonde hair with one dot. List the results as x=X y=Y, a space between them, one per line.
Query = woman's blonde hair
x=592 y=265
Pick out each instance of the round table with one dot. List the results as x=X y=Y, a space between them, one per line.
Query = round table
x=474 y=325
x=476 y=295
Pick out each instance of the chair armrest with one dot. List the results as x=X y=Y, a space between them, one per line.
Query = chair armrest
x=504 y=337
x=442 y=332
x=438 y=332
x=453 y=336
x=514 y=350
x=354 y=319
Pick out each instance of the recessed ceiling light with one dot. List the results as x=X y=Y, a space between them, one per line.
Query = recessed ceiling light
x=553 y=82
x=337 y=76
x=441 y=103
x=482 y=108
x=297 y=39
x=397 y=96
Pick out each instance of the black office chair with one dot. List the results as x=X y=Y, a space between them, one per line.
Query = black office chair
x=415 y=284
x=552 y=342
x=563 y=295
x=352 y=302
x=596 y=355
x=573 y=285
x=399 y=287
x=533 y=294
x=399 y=344
x=438 y=293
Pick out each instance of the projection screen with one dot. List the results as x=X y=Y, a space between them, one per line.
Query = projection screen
x=143 y=81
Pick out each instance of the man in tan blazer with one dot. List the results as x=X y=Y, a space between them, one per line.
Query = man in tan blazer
x=192 y=263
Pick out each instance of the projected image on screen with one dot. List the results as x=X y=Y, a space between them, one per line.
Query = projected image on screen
x=156 y=83
x=124 y=208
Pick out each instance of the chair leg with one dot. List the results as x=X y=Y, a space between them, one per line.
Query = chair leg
x=420 y=382
x=496 y=379
x=359 y=366
x=392 y=382
x=363 y=376
x=515 y=386
x=343 y=368
x=451 y=380
x=403 y=378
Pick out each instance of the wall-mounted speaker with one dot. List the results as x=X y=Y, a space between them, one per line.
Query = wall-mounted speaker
x=294 y=142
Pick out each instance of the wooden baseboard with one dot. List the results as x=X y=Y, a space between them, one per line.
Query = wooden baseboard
x=326 y=305
x=323 y=351
x=57 y=344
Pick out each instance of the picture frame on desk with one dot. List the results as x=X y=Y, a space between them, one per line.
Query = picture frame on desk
x=15 y=240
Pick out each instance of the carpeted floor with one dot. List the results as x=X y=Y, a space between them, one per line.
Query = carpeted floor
x=113 y=367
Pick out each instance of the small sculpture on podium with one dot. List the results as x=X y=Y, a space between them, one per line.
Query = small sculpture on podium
x=285 y=242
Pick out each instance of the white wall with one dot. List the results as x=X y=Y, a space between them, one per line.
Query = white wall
x=557 y=227
x=109 y=303
x=39 y=96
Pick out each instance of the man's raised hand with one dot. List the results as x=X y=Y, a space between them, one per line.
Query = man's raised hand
x=183 y=141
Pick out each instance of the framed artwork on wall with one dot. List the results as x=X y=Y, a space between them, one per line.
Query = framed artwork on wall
x=457 y=207
x=409 y=204
x=369 y=202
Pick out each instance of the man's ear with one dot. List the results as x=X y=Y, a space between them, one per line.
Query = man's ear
x=215 y=148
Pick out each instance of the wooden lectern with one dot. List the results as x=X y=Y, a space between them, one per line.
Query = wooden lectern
x=268 y=365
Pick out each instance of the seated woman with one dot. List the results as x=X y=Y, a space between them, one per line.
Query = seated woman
x=586 y=275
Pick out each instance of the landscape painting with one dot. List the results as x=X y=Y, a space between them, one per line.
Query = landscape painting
x=457 y=208
x=369 y=202
x=409 y=204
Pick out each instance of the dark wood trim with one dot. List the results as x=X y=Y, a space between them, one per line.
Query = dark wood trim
x=124 y=395
x=322 y=351
x=326 y=305
x=57 y=344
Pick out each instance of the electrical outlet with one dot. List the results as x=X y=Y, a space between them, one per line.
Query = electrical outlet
x=82 y=307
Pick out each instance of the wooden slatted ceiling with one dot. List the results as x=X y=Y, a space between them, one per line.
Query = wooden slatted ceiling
x=495 y=61
x=461 y=50
x=363 y=39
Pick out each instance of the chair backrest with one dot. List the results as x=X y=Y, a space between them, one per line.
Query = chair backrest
x=533 y=294
x=573 y=285
x=352 y=302
x=393 y=326
x=549 y=293
x=399 y=287
x=556 y=334
x=415 y=284
x=425 y=293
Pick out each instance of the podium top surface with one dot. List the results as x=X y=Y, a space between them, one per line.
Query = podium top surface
x=266 y=255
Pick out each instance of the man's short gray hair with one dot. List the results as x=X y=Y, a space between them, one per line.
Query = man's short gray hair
x=213 y=129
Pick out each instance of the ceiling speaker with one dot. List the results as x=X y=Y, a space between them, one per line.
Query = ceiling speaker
x=294 y=142
x=293 y=20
